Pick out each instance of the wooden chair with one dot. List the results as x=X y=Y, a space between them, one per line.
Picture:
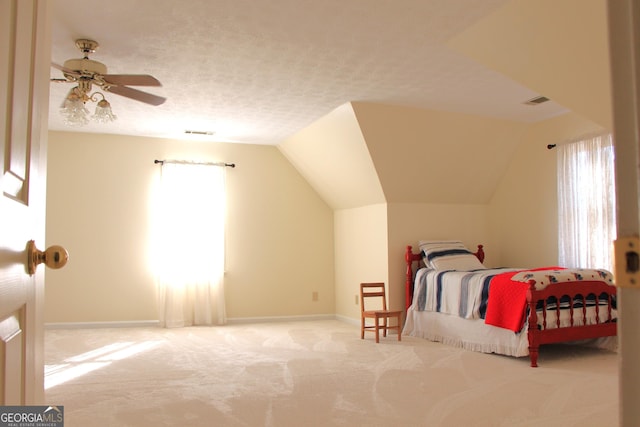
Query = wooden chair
x=370 y=292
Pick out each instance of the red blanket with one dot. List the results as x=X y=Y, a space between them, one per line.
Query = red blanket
x=506 y=306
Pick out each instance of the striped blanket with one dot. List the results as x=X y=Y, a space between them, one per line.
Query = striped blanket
x=460 y=293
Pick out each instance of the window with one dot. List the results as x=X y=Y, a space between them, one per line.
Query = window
x=586 y=203
x=189 y=244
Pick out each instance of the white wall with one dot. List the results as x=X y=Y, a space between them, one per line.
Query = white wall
x=280 y=232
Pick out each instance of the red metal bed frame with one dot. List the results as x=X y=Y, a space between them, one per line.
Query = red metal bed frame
x=540 y=334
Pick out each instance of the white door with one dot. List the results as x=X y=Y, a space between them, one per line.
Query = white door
x=24 y=86
x=624 y=41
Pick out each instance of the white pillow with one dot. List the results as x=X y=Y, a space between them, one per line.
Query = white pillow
x=429 y=246
x=449 y=255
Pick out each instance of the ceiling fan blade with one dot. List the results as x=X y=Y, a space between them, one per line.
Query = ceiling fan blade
x=131 y=80
x=138 y=95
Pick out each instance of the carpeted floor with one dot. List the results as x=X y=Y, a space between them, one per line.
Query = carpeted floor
x=316 y=373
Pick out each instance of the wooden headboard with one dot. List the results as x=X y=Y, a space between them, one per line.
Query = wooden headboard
x=410 y=258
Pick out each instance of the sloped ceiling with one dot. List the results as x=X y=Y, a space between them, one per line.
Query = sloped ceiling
x=365 y=153
x=333 y=157
x=557 y=48
x=429 y=156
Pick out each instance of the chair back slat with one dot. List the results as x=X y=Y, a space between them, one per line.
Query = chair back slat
x=373 y=290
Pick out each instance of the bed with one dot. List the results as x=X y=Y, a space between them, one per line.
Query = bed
x=448 y=300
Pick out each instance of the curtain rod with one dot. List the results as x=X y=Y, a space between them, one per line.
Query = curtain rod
x=186 y=162
x=590 y=135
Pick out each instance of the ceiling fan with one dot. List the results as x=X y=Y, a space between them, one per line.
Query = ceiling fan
x=86 y=73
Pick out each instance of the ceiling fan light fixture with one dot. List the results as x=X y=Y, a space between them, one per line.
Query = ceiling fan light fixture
x=76 y=114
x=73 y=109
x=87 y=73
x=103 y=112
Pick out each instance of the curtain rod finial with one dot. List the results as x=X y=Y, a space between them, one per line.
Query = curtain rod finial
x=550 y=146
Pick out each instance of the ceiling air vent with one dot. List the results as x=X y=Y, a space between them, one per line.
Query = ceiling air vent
x=198 y=132
x=536 y=101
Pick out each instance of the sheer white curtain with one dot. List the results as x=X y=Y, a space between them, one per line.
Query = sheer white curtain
x=190 y=244
x=586 y=202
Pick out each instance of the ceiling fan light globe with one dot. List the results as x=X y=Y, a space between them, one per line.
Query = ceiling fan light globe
x=73 y=110
x=75 y=118
x=103 y=112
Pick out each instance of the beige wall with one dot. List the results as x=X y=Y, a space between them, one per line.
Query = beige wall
x=518 y=226
x=524 y=208
x=280 y=232
x=284 y=242
x=412 y=222
x=360 y=254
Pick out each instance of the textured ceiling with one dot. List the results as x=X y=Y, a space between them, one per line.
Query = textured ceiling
x=259 y=71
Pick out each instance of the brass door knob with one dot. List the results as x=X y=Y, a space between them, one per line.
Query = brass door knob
x=53 y=257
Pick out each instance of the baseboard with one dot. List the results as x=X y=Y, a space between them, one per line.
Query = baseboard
x=242 y=320
x=230 y=321
x=349 y=320
x=102 y=325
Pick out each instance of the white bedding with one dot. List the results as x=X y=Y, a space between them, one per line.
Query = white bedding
x=470 y=334
x=473 y=334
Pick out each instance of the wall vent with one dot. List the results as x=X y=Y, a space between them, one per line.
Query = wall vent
x=536 y=101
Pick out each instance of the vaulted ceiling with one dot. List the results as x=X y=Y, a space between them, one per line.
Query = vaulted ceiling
x=258 y=72
x=372 y=101
x=424 y=155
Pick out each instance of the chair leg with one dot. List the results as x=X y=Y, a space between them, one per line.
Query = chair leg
x=377 y=330
x=385 y=325
x=362 y=328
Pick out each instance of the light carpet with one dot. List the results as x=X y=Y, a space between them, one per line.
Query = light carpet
x=316 y=373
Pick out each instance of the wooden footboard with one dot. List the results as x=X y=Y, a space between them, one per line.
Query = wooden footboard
x=571 y=325
x=542 y=331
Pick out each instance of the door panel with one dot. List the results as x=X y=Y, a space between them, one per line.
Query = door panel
x=17 y=151
x=11 y=355
x=24 y=87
